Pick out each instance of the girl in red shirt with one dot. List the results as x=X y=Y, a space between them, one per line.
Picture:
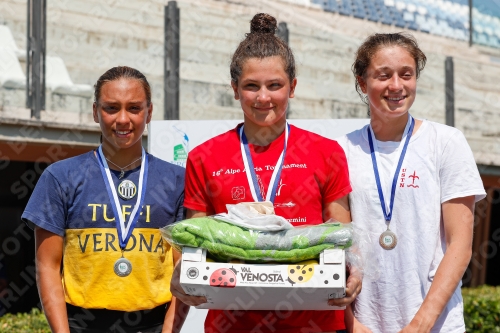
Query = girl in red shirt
x=266 y=159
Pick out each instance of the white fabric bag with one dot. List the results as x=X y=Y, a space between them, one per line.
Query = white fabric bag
x=254 y=216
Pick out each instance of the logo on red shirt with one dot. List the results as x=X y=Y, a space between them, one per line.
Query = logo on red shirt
x=238 y=193
x=280 y=185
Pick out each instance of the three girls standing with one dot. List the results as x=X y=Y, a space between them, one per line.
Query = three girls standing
x=404 y=191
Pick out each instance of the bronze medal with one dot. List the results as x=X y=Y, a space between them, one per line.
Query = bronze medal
x=388 y=240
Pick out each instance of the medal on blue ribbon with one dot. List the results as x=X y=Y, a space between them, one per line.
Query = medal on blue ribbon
x=388 y=239
x=123 y=266
x=250 y=170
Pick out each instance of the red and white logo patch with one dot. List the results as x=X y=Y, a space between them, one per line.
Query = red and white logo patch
x=238 y=193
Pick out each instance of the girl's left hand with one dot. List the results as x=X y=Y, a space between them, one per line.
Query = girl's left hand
x=353 y=288
x=415 y=327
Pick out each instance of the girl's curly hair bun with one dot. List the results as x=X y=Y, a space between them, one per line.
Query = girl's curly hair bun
x=263 y=24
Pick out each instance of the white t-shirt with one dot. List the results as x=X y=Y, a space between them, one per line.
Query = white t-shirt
x=438 y=166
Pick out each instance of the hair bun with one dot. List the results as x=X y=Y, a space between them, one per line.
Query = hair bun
x=263 y=24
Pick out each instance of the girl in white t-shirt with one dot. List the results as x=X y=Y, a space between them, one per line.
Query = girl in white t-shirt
x=414 y=183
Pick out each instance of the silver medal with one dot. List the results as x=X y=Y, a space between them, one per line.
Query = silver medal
x=388 y=240
x=123 y=267
x=127 y=190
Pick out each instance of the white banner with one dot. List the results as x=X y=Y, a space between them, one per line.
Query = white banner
x=171 y=140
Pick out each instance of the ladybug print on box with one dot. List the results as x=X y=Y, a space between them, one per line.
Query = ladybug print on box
x=301 y=272
x=224 y=278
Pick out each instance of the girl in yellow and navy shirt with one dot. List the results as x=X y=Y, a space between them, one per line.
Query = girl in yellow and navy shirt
x=99 y=271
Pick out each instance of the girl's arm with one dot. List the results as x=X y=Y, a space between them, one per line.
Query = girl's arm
x=458 y=221
x=352 y=324
x=339 y=211
x=175 y=286
x=177 y=312
x=48 y=258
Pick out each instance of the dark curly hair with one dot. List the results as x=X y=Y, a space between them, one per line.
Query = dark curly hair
x=262 y=42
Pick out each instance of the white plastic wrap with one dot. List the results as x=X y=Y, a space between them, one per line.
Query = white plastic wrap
x=360 y=255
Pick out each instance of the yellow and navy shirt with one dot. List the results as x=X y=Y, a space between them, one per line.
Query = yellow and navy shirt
x=71 y=200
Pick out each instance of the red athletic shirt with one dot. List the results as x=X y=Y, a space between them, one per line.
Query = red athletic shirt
x=314 y=174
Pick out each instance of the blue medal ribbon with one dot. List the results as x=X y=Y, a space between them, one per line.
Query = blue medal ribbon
x=388 y=215
x=250 y=170
x=124 y=231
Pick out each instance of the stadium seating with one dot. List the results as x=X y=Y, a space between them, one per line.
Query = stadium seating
x=58 y=79
x=448 y=18
x=12 y=75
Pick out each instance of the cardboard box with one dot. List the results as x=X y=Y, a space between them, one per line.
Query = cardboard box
x=283 y=287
